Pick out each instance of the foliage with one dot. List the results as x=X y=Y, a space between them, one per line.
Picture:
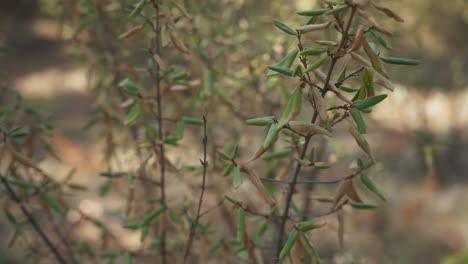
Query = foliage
x=156 y=69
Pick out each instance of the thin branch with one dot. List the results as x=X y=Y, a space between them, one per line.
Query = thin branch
x=157 y=79
x=32 y=221
x=204 y=164
x=307 y=140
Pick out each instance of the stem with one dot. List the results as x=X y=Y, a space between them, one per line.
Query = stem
x=33 y=222
x=194 y=225
x=293 y=183
x=157 y=79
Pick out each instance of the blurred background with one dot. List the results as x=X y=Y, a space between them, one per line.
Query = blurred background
x=61 y=55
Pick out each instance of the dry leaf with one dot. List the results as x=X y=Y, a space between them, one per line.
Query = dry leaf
x=358 y=38
x=360 y=59
x=341 y=228
x=303 y=127
x=131 y=32
x=326 y=43
x=177 y=43
x=320 y=105
x=255 y=180
x=375 y=61
x=389 y=13
x=350 y=190
x=361 y=141
x=313 y=27
x=385 y=83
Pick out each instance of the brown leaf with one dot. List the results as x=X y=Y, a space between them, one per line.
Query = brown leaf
x=177 y=43
x=129 y=33
x=341 y=228
x=255 y=180
x=350 y=190
x=309 y=128
x=358 y=38
x=361 y=141
x=320 y=105
x=385 y=83
x=313 y=27
x=20 y=158
x=375 y=61
x=389 y=13
x=360 y=59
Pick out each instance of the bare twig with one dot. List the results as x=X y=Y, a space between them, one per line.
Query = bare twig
x=204 y=164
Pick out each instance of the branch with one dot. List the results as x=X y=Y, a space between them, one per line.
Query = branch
x=307 y=140
x=204 y=164
x=32 y=221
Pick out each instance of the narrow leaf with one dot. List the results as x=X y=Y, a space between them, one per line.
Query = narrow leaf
x=400 y=61
x=285 y=62
x=240 y=224
x=151 y=216
x=289 y=244
x=361 y=125
x=292 y=108
x=284 y=28
x=314 y=12
x=134 y=113
x=192 y=120
x=137 y=10
x=237 y=180
x=278 y=69
x=371 y=186
x=369 y=102
x=260 y=121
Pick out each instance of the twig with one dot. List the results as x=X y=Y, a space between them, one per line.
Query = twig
x=157 y=78
x=32 y=221
x=307 y=140
x=204 y=164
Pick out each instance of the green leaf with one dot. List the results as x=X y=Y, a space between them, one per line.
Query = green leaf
x=271 y=136
x=260 y=231
x=237 y=180
x=400 y=61
x=362 y=205
x=312 y=249
x=369 y=102
x=321 y=60
x=223 y=156
x=314 y=12
x=112 y=174
x=308 y=225
x=50 y=201
x=289 y=244
x=151 y=216
x=285 y=62
x=228 y=170
x=348 y=89
x=144 y=232
x=17 y=133
x=180 y=129
x=129 y=87
x=276 y=155
x=361 y=125
x=214 y=247
x=284 y=28
x=207 y=83
x=46 y=129
x=240 y=224
x=260 y=121
x=134 y=113
x=234 y=152
x=278 y=69
x=368 y=81
x=192 y=121
x=292 y=108
x=11 y=218
x=371 y=186
x=381 y=39
x=127 y=257
x=321 y=165
x=312 y=51
x=137 y=10
x=335 y=10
